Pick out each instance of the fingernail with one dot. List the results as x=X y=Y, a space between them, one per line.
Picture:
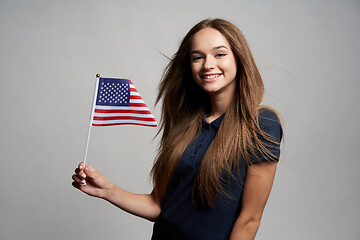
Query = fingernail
x=83 y=175
x=81 y=167
x=83 y=181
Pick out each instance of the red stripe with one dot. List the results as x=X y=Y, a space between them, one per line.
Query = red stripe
x=133 y=90
x=123 y=118
x=113 y=124
x=122 y=111
x=133 y=105
x=137 y=105
x=135 y=97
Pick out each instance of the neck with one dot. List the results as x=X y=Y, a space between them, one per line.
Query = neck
x=219 y=104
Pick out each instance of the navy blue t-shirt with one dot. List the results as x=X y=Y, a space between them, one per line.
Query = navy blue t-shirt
x=181 y=218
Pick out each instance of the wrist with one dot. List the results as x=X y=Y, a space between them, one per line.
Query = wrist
x=108 y=191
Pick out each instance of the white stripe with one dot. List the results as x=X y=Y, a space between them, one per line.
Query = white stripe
x=120 y=108
x=125 y=121
x=134 y=93
x=136 y=101
x=123 y=114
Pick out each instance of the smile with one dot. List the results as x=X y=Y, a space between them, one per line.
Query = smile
x=211 y=78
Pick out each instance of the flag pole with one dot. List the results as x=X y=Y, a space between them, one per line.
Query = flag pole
x=91 y=116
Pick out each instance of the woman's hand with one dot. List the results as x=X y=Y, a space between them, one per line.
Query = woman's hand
x=95 y=184
x=91 y=182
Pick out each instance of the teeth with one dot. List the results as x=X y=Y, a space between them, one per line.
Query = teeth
x=211 y=76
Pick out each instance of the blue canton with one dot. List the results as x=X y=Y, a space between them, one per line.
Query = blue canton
x=113 y=92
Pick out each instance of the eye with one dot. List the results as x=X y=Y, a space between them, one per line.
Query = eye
x=196 y=58
x=220 y=55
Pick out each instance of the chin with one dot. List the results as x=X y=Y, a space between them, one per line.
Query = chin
x=210 y=90
x=211 y=87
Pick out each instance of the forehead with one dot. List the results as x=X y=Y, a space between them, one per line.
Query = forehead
x=207 y=39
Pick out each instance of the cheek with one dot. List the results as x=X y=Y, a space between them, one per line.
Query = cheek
x=230 y=67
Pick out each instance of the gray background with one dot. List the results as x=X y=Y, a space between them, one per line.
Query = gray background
x=307 y=51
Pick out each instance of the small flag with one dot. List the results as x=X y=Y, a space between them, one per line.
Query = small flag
x=117 y=102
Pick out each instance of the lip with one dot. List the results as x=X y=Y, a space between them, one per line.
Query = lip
x=209 y=80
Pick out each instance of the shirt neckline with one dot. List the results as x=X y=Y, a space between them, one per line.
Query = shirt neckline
x=216 y=123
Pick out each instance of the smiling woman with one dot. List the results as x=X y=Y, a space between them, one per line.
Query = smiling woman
x=219 y=148
x=213 y=63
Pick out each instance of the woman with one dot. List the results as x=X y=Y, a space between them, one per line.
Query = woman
x=218 y=152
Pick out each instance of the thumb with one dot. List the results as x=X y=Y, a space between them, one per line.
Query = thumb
x=89 y=171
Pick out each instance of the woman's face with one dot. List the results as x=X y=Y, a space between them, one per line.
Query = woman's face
x=213 y=63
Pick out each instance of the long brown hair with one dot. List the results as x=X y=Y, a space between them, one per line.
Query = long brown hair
x=184 y=103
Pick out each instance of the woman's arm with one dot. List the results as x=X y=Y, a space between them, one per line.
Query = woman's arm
x=258 y=183
x=95 y=184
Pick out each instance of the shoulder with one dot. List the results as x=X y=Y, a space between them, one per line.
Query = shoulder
x=269 y=122
x=267 y=114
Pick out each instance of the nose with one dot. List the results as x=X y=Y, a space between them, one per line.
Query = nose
x=209 y=63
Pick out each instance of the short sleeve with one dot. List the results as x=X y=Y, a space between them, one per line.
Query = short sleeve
x=271 y=126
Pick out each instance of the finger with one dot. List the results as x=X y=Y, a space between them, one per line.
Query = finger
x=78 y=180
x=75 y=185
x=79 y=168
x=78 y=185
x=80 y=173
x=89 y=170
x=81 y=165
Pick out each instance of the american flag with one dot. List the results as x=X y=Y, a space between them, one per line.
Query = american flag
x=117 y=102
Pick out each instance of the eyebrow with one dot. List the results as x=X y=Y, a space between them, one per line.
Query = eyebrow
x=213 y=49
x=218 y=47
